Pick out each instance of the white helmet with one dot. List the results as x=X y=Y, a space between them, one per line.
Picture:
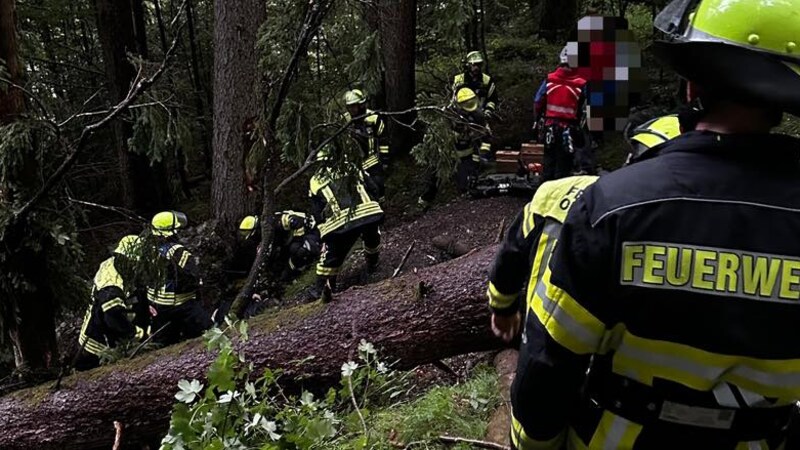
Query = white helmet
x=562 y=57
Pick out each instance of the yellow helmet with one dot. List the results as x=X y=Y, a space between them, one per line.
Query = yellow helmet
x=652 y=133
x=129 y=246
x=467 y=99
x=746 y=49
x=354 y=97
x=166 y=223
x=248 y=227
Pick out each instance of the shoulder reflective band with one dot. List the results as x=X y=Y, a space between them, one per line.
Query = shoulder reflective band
x=710 y=270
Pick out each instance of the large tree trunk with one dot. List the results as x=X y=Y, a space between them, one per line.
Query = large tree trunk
x=414 y=319
x=235 y=106
x=398 y=38
x=144 y=187
x=558 y=18
x=30 y=311
x=199 y=89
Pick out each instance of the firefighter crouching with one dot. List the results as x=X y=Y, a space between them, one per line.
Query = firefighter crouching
x=675 y=280
x=472 y=142
x=108 y=320
x=344 y=210
x=295 y=244
x=559 y=105
x=369 y=131
x=179 y=313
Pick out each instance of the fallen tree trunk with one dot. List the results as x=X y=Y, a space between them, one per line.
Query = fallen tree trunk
x=414 y=319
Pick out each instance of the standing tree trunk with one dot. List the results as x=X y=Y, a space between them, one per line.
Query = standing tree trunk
x=235 y=105
x=398 y=38
x=558 y=17
x=144 y=187
x=372 y=16
x=198 y=89
x=139 y=29
x=162 y=34
x=30 y=310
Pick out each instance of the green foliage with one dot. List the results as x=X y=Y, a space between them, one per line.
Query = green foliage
x=238 y=409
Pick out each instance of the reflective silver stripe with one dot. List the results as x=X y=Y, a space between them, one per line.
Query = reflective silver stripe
x=560 y=109
x=724 y=395
x=707 y=373
x=564 y=319
x=769 y=379
x=370 y=162
x=615 y=435
x=752 y=399
x=551 y=229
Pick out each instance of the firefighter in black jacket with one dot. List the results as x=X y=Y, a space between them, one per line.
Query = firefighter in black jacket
x=107 y=321
x=369 y=131
x=667 y=317
x=344 y=210
x=472 y=141
x=474 y=78
x=295 y=244
x=179 y=313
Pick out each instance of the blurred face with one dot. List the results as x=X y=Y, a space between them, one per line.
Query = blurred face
x=475 y=69
x=357 y=109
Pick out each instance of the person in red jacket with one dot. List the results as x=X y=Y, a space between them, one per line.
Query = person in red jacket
x=559 y=102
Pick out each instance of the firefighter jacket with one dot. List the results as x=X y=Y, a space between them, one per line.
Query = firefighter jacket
x=529 y=241
x=484 y=88
x=679 y=277
x=473 y=135
x=340 y=205
x=370 y=135
x=107 y=321
x=561 y=97
x=182 y=276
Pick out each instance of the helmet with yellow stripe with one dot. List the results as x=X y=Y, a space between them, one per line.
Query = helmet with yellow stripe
x=166 y=223
x=748 y=50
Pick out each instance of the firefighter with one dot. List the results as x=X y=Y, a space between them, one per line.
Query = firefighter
x=345 y=210
x=559 y=105
x=667 y=317
x=368 y=129
x=480 y=83
x=472 y=141
x=529 y=242
x=108 y=320
x=179 y=313
x=295 y=244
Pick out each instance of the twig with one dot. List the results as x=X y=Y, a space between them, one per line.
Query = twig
x=118 y=426
x=148 y=339
x=136 y=90
x=445 y=368
x=405 y=258
x=128 y=214
x=104 y=111
x=473 y=442
x=501 y=230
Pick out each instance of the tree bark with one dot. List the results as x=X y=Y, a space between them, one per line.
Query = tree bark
x=235 y=105
x=162 y=34
x=145 y=188
x=451 y=318
x=372 y=16
x=198 y=89
x=139 y=28
x=398 y=38
x=31 y=310
x=558 y=18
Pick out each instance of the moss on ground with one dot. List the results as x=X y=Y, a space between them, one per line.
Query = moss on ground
x=461 y=410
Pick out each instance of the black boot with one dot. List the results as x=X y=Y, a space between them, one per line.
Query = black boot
x=372 y=262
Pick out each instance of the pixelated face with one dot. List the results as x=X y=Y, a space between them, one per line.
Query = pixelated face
x=607 y=56
x=356 y=110
x=475 y=69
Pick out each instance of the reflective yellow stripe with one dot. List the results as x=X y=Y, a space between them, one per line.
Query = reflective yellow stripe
x=614 y=432
x=90 y=345
x=327 y=271
x=464 y=153
x=169 y=298
x=338 y=220
x=753 y=445
x=476 y=158
x=184 y=259
x=490 y=106
x=486 y=147
x=645 y=359
x=370 y=162
x=544 y=251
x=171 y=251
x=524 y=442
x=384 y=149
x=112 y=304
x=497 y=299
x=139 y=333
x=569 y=323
